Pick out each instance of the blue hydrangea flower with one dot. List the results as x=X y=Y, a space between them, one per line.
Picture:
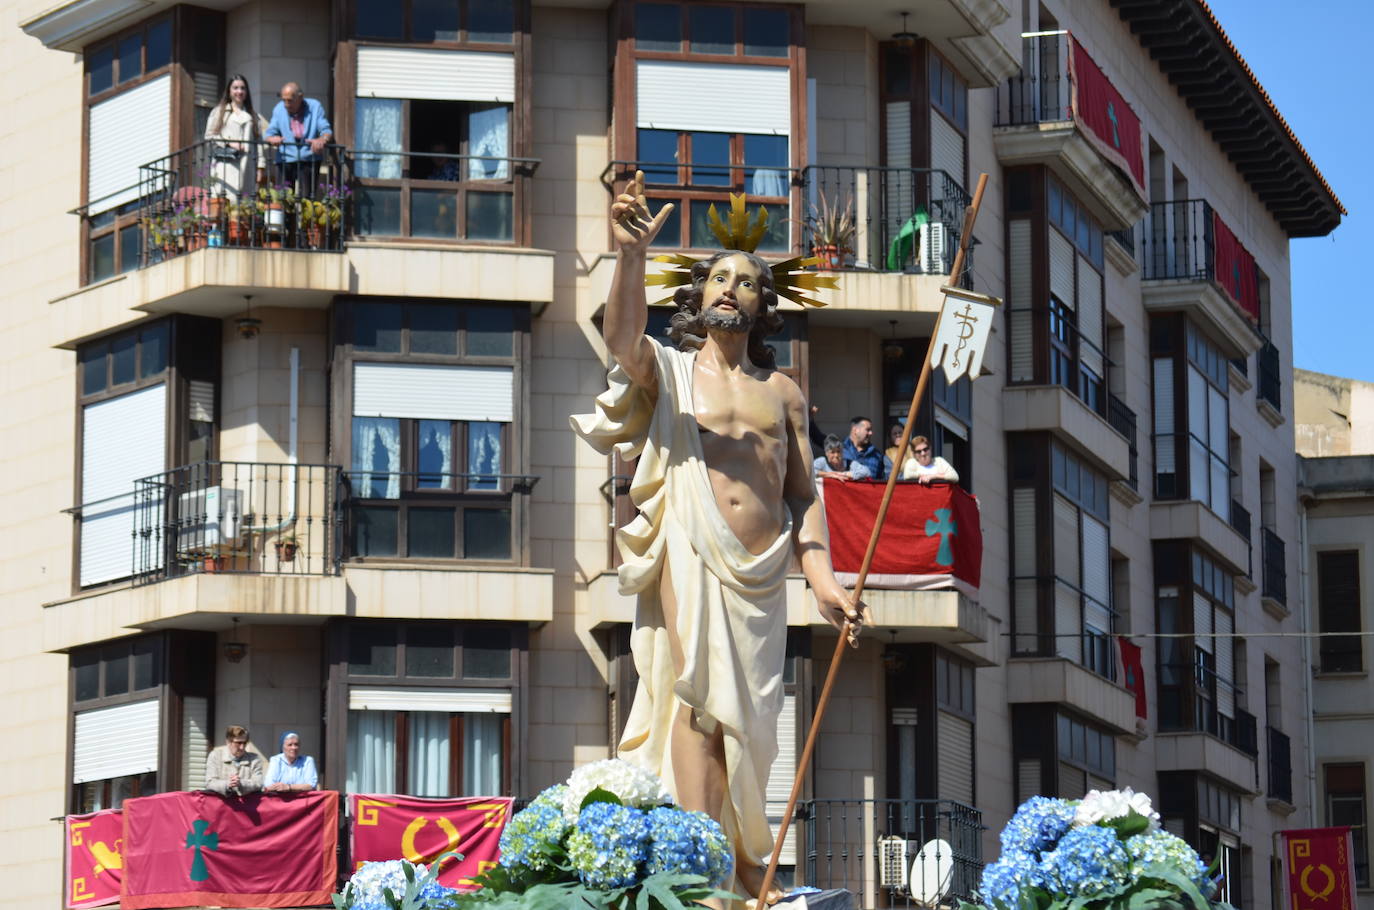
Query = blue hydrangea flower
x=609 y=845
x=688 y=842
x=1087 y=861
x=534 y=831
x=1004 y=879
x=1037 y=825
x=1155 y=849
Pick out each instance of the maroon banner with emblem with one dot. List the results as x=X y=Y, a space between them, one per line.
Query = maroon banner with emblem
x=1235 y=268
x=1321 y=875
x=198 y=849
x=931 y=538
x=1133 y=676
x=387 y=827
x=1105 y=117
x=94 y=863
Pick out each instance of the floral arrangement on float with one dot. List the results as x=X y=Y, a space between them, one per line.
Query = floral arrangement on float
x=608 y=839
x=1103 y=852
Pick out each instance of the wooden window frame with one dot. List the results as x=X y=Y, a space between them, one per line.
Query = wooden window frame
x=181 y=116
x=515 y=738
x=519 y=24
x=1170 y=336
x=624 y=128
x=515 y=434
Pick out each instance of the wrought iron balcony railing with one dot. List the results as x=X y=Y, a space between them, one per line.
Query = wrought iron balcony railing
x=1267 y=365
x=1280 y=766
x=1240 y=520
x=1274 y=581
x=1122 y=419
x=1043 y=93
x=1194 y=698
x=238 y=517
x=868 y=847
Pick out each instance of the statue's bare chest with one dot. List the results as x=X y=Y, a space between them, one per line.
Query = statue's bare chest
x=740 y=407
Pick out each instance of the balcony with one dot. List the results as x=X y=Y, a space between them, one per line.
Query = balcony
x=1059 y=409
x=1189 y=519
x=1267 y=396
x=1191 y=261
x=1240 y=520
x=1097 y=155
x=1273 y=570
x=1280 y=767
x=1122 y=419
x=1062 y=681
x=868 y=847
x=1195 y=699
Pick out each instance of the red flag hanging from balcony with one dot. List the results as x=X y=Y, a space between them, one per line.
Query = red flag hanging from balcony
x=194 y=849
x=1320 y=871
x=94 y=864
x=931 y=539
x=423 y=830
x=1235 y=268
x=1104 y=115
x=1133 y=674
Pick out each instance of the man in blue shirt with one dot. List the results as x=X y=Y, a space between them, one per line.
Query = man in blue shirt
x=301 y=131
x=858 y=448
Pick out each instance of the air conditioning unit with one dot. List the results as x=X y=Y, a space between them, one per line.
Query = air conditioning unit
x=894 y=859
x=208 y=517
x=934 y=236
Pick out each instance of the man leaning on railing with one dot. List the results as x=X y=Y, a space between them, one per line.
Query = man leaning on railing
x=301 y=131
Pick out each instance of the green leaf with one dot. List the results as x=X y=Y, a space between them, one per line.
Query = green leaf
x=599 y=795
x=1183 y=884
x=1148 y=898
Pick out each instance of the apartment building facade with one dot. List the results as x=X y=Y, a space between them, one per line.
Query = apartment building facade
x=314 y=472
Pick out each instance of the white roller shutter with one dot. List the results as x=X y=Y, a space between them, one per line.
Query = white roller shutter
x=1097 y=573
x=1164 y=416
x=954 y=764
x=780 y=778
x=1066 y=560
x=687 y=96
x=431 y=392
x=435 y=75
x=1090 y=317
x=401 y=698
x=1068 y=622
x=1023 y=566
x=1073 y=781
x=1019 y=301
x=122 y=440
x=126 y=132
x=1061 y=268
x=898 y=133
x=115 y=742
x=195 y=740
x=202 y=395
x=1226 y=664
x=1027 y=779
x=946 y=148
x=1202 y=623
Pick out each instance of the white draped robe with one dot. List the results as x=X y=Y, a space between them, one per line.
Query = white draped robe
x=731 y=616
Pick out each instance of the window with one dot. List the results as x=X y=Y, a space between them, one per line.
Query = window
x=129 y=423
x=1078 y=755
x=1207 y=814
x=437 y=21
x=1069 y=312
x=119 y=691
x=131 y=121
x=1062 y=583
x=1345 y=805
x=678 y=59
x=932 y=707
x=1338 y=608
x=953 y=424
x=1191 y=415
x=431 y=433
x=429 y=706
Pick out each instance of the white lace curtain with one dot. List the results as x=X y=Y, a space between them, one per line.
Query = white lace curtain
x=488 y=134
x=371 y=752
x=482 y=754
x=484 y=455
x=379 y=130
x=376 y=457
x=427 y=760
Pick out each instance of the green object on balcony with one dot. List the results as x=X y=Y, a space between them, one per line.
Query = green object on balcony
x=904 y=244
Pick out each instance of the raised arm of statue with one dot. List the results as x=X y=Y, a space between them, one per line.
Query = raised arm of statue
x=627 y=309
x=811 y=538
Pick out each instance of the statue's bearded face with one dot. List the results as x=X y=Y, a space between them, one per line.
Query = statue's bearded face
x=731 y=296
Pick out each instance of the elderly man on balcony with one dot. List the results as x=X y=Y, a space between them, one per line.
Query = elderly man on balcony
x=301 y=130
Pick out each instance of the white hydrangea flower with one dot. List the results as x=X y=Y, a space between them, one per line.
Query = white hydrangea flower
x=1104 y=805
x=632 y=784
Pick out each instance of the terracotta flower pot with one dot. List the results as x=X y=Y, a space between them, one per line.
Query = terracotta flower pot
x=831 y=257
x=286 y=552
x=239 y=232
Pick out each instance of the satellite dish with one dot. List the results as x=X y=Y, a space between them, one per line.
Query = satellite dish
x=931 y=872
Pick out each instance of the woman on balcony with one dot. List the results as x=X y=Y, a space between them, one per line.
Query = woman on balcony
x=240 y=129
x=289 y=769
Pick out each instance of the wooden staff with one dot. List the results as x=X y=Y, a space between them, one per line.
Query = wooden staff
x=970 y=216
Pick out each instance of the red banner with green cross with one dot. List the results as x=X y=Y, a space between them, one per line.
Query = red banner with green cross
x=198 y=849
x=931 y=538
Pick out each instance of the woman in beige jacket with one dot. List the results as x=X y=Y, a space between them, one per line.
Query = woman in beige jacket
x=233 y=120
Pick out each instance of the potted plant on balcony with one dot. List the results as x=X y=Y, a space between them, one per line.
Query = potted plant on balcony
x=286 y=547
x=832 y=229
x=239 y=223
x=162 y=235
x=274 y=201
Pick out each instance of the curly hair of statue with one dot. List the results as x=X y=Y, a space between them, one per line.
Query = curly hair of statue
x=687 y=327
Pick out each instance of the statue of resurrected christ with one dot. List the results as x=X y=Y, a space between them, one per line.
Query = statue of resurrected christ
x=726 y=500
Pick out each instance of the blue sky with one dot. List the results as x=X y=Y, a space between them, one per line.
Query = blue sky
x=1311 y=59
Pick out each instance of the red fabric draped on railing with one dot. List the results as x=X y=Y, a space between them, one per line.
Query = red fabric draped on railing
x=196 y=849
x=1105 y=116
x=1235 y=269
x=423 y=830
x=931 y=538
x=94 y=864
